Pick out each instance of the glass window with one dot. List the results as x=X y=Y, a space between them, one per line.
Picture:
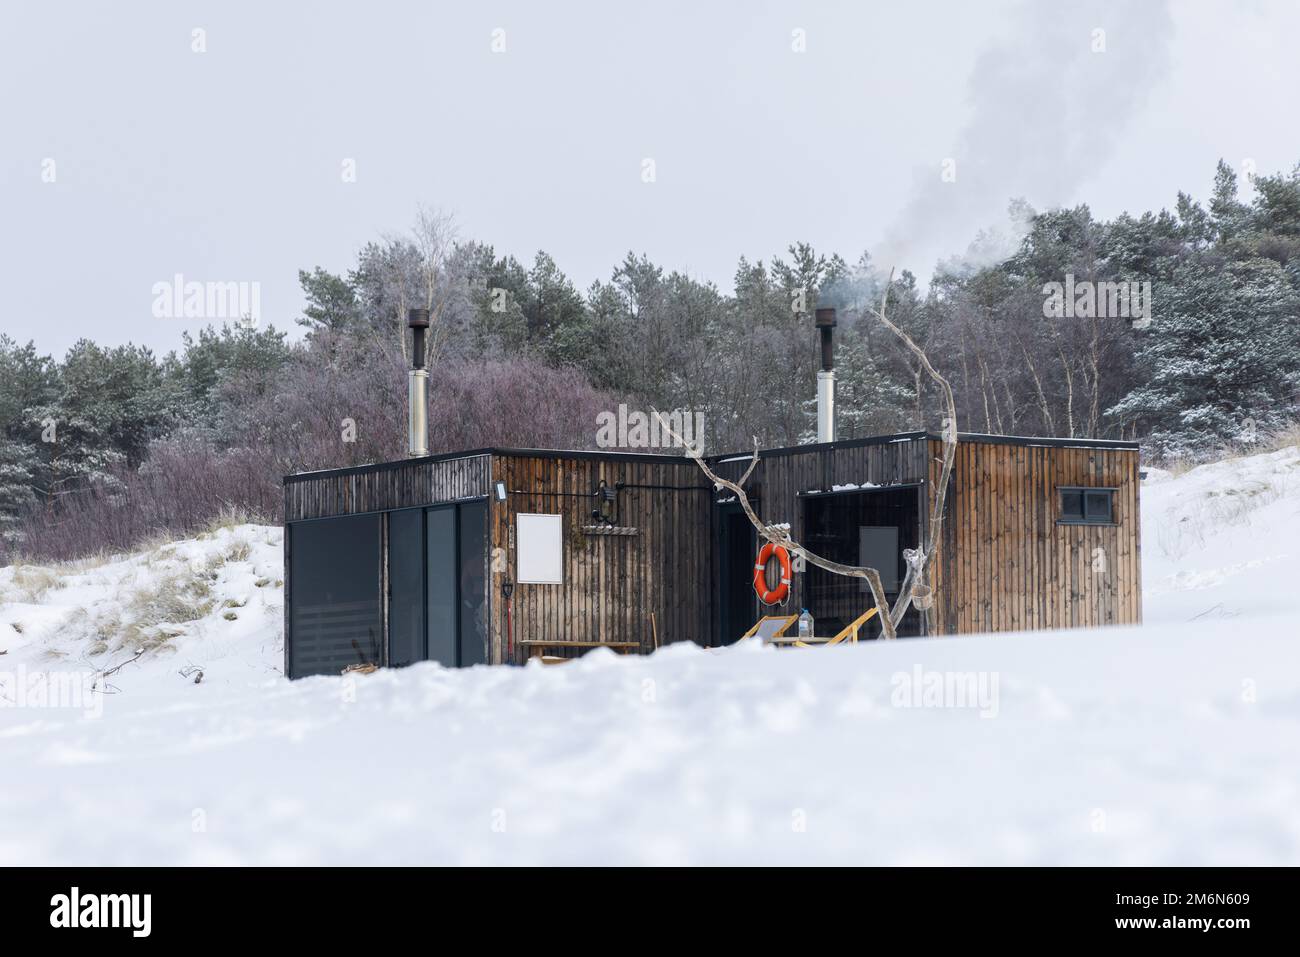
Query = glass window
x=1097 y=506
x=440 y=568
x=473 y=584
x=1087 y=506
x=1072 y=505
x=405 y=587
x=335 y=608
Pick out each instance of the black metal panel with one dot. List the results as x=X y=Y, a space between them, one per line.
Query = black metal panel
x=441 y=561
x=473 y=587
x=336 y=614
x=406 y=587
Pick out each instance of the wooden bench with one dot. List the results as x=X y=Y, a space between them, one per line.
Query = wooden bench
x=537 y=647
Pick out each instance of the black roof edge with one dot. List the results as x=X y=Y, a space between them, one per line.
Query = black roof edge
x=826 y=446
x=612 y=455
x=384 y=466
x=1045 y=441
x=1024 y=440
x=622 y=456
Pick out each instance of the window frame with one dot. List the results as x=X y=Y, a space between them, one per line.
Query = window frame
x=1082 y=518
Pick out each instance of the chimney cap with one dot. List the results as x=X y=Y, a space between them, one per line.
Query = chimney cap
x=825 y=317
x=417 y=318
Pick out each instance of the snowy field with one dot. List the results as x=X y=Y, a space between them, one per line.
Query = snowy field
x=1174 y=743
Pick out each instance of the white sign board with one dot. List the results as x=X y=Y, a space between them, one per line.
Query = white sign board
x=539 y=557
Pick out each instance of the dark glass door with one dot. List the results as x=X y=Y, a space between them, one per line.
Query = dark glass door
x=737 y=549
x=441 y=574
x=336 y=610
x=859 y=528
x=472 y=531
x=406 y=587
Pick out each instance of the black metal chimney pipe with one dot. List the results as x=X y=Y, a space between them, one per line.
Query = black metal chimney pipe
x=417 y=320
x=825 y=319
x=417 y=395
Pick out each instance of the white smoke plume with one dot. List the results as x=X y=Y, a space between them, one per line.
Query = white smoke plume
x=1049 y=103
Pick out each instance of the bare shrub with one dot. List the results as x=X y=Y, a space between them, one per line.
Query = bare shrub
x=1286 y=437
x=33 y=581
x=336 y=404
x=239 y=551
x=156 y=608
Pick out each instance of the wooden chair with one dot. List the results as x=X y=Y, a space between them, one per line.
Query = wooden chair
x=769 y=627
x=848 y=633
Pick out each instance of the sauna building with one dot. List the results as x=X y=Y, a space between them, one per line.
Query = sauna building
x=491 y=555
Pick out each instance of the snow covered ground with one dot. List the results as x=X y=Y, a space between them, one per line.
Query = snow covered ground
x=1174 y=743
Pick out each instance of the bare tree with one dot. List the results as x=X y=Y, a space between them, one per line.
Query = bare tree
x=414 y=270
x=914 y=586
x=434 y=234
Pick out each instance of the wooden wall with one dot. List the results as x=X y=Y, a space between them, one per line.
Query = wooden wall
x=611 y=583
x=1004 y=564
x=1008 y=565
x=392 y=485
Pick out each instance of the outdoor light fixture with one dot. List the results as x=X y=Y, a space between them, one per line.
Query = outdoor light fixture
x=606 y=509
x=501 y=491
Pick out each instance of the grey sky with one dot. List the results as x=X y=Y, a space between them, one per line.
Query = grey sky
x=226 y=165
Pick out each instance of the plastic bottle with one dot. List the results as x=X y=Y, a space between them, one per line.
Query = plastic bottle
x=805 y=624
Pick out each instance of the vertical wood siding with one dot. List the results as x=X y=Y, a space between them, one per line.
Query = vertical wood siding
x=1009 y=565
x=612 y=583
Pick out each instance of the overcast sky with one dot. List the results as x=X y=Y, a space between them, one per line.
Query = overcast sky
x=228 y=164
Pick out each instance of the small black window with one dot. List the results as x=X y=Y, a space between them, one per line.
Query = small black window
x=1087 y=506
x=1071 y=505
x=1096 y=506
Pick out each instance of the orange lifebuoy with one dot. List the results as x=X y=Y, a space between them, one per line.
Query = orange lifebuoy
x=782 y=591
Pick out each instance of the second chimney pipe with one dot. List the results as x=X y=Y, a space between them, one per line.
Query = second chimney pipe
x=417 y=393
x=825 y=320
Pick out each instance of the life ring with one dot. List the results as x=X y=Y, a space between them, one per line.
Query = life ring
x=782 y=591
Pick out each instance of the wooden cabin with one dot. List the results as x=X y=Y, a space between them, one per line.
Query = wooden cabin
x=483 y=557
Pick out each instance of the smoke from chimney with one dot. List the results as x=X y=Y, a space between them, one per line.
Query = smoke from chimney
x=1048 y=102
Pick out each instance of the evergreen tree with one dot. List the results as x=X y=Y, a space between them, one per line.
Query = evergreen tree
x=1228 y=215
x=331 y=301
x=1220 y=359
x=18 y=468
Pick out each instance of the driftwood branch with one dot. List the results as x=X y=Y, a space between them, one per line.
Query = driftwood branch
x=916 y=564
x=917 y=559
